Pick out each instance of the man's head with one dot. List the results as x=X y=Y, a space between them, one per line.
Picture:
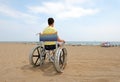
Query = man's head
x=50 y=21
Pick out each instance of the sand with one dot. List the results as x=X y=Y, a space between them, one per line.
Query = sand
x=85 y=64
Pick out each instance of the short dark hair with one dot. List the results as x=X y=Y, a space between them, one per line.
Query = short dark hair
x=50 y=21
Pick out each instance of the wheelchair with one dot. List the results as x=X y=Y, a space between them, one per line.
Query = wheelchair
x=57 y=55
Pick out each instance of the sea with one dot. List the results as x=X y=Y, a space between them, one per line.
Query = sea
x=90 y=43
x=93 y=43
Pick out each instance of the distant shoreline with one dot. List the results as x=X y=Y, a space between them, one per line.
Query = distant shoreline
x=73 y=43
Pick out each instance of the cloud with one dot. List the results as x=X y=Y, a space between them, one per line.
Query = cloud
x=8 y=11
x=75 y=12
x=76 y=1
x=64 y=9
x=48 y=8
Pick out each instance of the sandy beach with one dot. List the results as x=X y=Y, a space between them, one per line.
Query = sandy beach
x=85 y=64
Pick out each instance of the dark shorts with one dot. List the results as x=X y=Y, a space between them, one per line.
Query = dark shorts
x=50 y=47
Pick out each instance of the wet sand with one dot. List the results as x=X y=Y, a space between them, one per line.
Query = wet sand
x=85 y=64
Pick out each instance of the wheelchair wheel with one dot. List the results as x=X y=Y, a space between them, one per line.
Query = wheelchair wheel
x=60 y=59
x=37 y=56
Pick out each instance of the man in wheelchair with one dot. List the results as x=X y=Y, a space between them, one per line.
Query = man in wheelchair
x=51 y=45
x=49 y=49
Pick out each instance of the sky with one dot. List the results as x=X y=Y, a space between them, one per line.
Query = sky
x=75 y=20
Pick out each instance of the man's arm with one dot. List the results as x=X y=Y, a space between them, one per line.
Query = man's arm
x=60 y=40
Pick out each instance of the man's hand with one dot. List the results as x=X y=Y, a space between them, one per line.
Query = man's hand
x=63 y=41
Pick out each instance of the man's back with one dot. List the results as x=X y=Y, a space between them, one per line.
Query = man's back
x=49 y=30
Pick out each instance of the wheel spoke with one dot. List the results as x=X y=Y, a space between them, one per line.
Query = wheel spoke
x=38 y=51
x=36 y=60
x=35 y=55
x=61 y=59
x=60 y=62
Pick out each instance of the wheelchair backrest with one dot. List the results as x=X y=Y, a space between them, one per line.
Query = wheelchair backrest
x=48 y=37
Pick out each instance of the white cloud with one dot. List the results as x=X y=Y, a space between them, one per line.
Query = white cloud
x=48 y=8
x=8 y=11
x=75 y=12
x=76 y=1
x=64 y=9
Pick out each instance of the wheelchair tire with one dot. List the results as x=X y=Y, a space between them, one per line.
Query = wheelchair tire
x=60 y=61
x=36 y=56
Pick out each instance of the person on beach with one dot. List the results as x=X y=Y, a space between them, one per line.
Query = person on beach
x=50 y=29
